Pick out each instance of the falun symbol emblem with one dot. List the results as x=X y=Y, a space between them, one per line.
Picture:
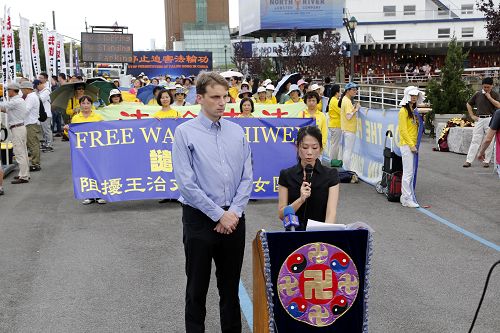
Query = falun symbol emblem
x=317 y=284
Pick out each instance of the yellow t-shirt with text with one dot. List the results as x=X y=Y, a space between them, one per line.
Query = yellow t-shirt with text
x=348 y=125
x=408 y=128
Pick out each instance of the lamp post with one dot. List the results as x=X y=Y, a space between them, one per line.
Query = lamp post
x=351 y=25
x=225 y=55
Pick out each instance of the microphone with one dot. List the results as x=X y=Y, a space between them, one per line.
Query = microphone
x=309 y=172
x=290 y=220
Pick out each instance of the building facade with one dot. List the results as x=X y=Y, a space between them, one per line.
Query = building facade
x=199 y=25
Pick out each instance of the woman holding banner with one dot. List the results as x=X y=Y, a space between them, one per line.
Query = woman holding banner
x=348 y=122
x=86 y=115
x=316 y=198
x=165 y=99
x=408 y=123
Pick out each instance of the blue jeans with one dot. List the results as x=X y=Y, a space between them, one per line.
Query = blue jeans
x=56 y=121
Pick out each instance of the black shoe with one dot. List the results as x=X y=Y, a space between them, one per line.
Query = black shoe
x=57 y=135
x=35 y=168
x=19 y=181
x=166 y=200
x=1 y=192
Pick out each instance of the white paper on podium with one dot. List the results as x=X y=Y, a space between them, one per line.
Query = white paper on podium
x=313 y=225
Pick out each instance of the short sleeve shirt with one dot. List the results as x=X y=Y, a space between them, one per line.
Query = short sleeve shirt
x=322 y=179
x=483 y=105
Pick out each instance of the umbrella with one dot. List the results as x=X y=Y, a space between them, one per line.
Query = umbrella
x=104 y=89
x=231 y=73
x=60 y=97
x=280 y=87
x=145 y=94
x=95 y=79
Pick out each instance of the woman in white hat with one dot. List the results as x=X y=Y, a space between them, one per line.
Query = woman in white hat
x=261 y=96
x=294 y=93
x=180 y=96
x=115 y=97
x=317 y=88
x=271 y=99
x=408 y=123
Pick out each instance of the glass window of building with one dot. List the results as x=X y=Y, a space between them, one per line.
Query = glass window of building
x=201 y=11
x=389 y=10
x=467 y=32
x=467 y=9
x=409 y=10
x=389 y=34
x=444 y=33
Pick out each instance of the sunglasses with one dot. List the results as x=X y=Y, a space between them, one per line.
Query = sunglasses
x=80 y=88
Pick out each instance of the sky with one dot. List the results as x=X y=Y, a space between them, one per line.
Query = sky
x=144 y=21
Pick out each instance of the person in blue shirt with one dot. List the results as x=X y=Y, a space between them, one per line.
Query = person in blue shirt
x=213 y=169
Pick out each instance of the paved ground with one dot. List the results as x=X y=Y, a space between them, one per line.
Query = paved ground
x=65 y=267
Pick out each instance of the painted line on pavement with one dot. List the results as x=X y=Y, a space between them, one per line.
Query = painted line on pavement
x=459 y=229
x=246 y=305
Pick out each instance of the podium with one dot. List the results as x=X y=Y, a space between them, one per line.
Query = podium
x=311 y=281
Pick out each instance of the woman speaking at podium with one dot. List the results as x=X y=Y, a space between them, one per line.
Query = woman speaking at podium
x=309 y=187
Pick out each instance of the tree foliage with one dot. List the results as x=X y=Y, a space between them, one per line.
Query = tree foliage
x=325 y=55
x=260 y=65
x=492 y=16
x=449 y=93
x=290 y=53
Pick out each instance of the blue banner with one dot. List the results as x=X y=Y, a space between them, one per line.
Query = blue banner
x=172 y=63
x=368 y=158
x=301 y=14
x=132 y=160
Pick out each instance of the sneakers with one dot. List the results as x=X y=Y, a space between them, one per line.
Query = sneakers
x=410 y=204
x=19 y=181
x=1 y=192
x=466 y=165
x=35 y=168
x=101 y=201
x=88 y=201
x=46 y=149
x=486 y=165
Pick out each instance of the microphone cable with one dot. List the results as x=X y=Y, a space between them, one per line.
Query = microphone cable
x=482 y=296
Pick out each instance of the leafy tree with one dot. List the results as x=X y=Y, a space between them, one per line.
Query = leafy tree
x=290 y=53
x=492 y=15
x=258 y=65
x=325 y=55
x=449 y=94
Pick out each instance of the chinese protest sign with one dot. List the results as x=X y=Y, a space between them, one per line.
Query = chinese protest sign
x=132 y=160
x=173 y=63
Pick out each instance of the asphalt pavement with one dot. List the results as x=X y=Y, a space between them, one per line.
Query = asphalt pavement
x=66 y=267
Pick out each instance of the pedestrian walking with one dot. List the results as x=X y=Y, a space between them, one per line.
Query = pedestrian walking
x=16 y=111
x=213 y=168
x=484 y=101
x=44 y=94
x=33 y=128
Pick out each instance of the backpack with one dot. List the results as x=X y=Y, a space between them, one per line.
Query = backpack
x=393 y=191
x=42 y=115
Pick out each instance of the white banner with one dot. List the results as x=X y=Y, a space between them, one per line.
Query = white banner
x=271 y=49
x=49 y=42
x=60 y=56
x=8 y=50
x=35 y=53
x=24 y=48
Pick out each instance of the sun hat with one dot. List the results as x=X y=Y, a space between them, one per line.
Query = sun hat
x=301 y=82
x=113 y=92
x=314 y=87
x=26 y=85
x=266 y=82
x=412 y=91
x=351 y=85
x=293 y=87
x=13 y=86
x=270 y=87
x=244 y=91
x=261 y=89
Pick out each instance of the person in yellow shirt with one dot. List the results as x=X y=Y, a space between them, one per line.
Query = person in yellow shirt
x=317 y=88
x=236 y=86
x=156 y=91
x=165 y=99
x=246 y=108
x=86 y=115
x=334 y=123
x=73 y=105
x=312 y=98
x=271 y=99
x=348 y=122
x=294 y=93
x=408 y=133
x=262 y=96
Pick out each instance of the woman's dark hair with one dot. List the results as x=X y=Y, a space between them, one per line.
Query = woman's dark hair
x=119 y=95
x=243 y=100
x=78 y=85
x=163 y=90
x=157 y=88
x=310 y=95
x=256 y=84
x=407 y=106
x=85 y=98
x=341 y=98
x=335 y=89
x=313 y=131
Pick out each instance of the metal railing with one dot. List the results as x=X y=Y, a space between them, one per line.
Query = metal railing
x=379 y=96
